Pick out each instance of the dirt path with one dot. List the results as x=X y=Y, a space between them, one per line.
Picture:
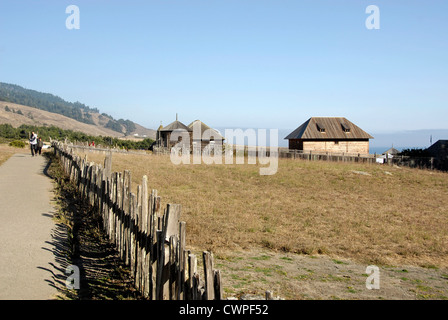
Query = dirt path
x=29 y=268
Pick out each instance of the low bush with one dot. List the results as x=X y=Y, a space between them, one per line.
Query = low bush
x=17 y=144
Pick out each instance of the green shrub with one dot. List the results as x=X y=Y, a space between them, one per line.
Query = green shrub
x=17 y=144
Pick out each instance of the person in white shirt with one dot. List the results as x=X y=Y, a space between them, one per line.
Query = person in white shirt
x=33 y=143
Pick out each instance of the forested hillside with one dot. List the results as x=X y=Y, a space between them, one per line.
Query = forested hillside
x=51 y=103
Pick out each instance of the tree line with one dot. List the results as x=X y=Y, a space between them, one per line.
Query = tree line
x=22 y=132
x=46 y=101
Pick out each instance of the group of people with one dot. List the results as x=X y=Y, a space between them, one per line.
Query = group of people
x=36 y=144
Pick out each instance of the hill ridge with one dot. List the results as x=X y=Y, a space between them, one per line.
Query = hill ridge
x=16 y=104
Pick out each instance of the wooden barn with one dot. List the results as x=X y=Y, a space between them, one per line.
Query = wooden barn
x=329 y=134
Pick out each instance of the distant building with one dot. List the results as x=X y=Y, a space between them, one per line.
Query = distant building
x=163 y=135
x=329 y=134
x=207 y=135
x=391 y=152
x=439 y=149
x=439 y=152
x=387 y=155
x=195 y=129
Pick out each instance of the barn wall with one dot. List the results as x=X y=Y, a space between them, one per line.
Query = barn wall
x=295 y=144
x=166 y=142
x=361 y=147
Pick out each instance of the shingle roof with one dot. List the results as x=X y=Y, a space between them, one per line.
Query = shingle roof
x=319 y=128
x=392 y=151
x=216 y=135
x=176 y=125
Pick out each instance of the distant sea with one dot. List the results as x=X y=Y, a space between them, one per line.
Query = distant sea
x=282 y=133
x=382 y=141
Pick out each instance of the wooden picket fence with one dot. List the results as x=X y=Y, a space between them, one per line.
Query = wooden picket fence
x=151 y=242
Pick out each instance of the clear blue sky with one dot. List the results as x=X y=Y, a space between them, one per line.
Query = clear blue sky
x=236 y=63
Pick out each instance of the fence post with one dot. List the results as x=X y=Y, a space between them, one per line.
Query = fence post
x=155 y=234
x=182 y=260
x=192 y=271
x=98 y=195
x=138 y=239
x=208 y=275
x=125 y=215
x=118 y=218
x=173 y=267
x=108 y=164
x=217 y=284
x=132 y=230
x=144 y=238
x=162 y=268
x=111 y=215
x=169 y=228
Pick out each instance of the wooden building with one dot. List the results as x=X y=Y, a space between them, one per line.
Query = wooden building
x=392 y=152
x=439 y=154
x=200 y=134
x=203 y=135
x=329 y=134
x=439 y=149
x=163 y=135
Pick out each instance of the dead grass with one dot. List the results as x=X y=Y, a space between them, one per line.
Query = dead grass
x=33 y=116
x=392 y=216
x=6 y=152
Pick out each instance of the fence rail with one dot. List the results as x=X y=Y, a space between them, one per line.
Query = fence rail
x=431 y=163
x=100 y=149
x=290 y=154
x=151 y=241
x=338 y=157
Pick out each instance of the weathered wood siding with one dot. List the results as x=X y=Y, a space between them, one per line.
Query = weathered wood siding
x=332 y=146
x=361 y=147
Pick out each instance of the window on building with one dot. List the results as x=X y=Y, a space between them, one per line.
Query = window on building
x=320 y=127
x=345 y=127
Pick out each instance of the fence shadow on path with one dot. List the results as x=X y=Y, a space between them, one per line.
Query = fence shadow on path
x=77 y=240
x=59 y=247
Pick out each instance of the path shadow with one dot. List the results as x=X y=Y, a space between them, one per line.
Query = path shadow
x=59 y=245
x=49 y=161
x=77 y=240
x=60 y=248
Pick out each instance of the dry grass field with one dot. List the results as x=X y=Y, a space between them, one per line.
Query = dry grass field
x=310 y=230
x=369 y=213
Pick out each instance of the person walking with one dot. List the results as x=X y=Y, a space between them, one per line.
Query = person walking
x=39 y=145
x=33 y=143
